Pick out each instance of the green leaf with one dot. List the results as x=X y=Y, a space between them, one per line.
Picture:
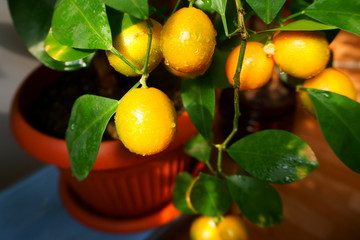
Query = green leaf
x=266 y=9
x=299 y=5
x=204 y=5
x=32 y=22
x=342 y=14
x=198 y=97
x=120 y=21
x=339 y=119
x=198 y=148
x=62 y=52
x=216 y=73
x=258 y=201
x=89 y=118
x=210 y=196
x=303 y=25
x=274 y=156
x=136 y=8
x=262 y=37
x=182 y=183
x=219 y=6
x=82 y=24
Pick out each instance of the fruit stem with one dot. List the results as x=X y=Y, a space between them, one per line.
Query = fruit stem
x=191 y=3
x=119 y=55
x=143 y=79
x=244 y=36
x=224 y=22
x=241 y=20
x=292 y=16
x=149 y=33
x=176 y=7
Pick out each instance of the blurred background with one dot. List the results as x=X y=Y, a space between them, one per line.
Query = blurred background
x=15 y=64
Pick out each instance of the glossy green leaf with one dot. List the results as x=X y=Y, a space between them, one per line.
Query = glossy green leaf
x=198 y=97
x=262 y=37
x=216 y=73
x=204 y=5
x=32 y=22
x=266 y=9
x=342 y=14
x=120 y=21
x=82 y=24
x=304 y=25
x=210 y=196
x=299 y=5
x=62 y=52
x=137 y=8
x=339 y=119
x=89 y=118
x=274 y=156
x=219 y=6
x=198 y=148
x=258 y=201
x=182 y=184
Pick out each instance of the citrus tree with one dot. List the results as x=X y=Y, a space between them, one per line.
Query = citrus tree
x=211 y=45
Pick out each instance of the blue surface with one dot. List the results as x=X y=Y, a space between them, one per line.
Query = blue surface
x=32 y=209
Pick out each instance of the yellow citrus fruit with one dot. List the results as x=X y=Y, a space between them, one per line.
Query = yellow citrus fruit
x=145 y=121
x=132 y=44
x=204 y=228
x=187 y=75
x=232 y=228
x=302 y=54
x=257 y=66
x=188 y=41
x=329 y=80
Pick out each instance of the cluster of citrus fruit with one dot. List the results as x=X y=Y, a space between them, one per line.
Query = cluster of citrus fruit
x=301 y=54
x=230 y=227
x=145 y=118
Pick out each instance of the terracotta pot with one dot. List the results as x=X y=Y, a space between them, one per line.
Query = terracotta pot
x=122 y=185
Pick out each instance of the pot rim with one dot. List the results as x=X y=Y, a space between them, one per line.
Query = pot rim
x=52 y=150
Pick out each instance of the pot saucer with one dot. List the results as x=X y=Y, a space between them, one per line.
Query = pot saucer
x=114 y=225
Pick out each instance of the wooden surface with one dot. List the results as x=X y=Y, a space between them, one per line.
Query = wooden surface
x=326 y=204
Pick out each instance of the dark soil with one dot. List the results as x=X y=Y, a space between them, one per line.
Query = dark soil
x=50 y=113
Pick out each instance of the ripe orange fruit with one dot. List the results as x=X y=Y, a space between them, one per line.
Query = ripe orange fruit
x=230 y=227
x=204 y=228
x=188 y=41
x=257 y=66
x=302 y=54
x=329 y=80
x=132 y=44
x=145 y=121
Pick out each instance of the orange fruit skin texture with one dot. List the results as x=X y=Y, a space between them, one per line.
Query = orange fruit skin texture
x=188 y=42
x=257 y=66
x=302 y=54
x=146 y=121
x=329 y=80
x=204 y=228
x=232 y=228
x=229 y=228
x=132 y=44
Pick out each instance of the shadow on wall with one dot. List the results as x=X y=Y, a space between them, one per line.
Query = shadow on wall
x=10 y=40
